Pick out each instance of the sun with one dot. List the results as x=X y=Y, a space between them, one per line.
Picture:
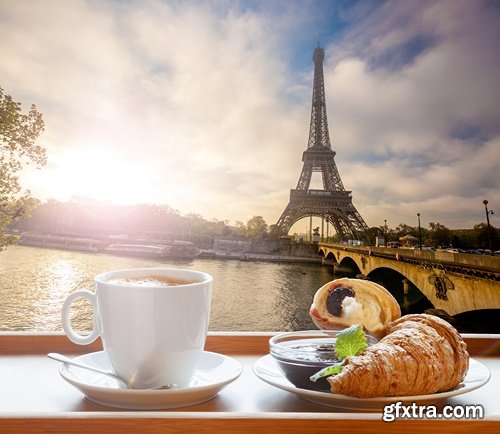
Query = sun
x=99 y=175
x=109 y=176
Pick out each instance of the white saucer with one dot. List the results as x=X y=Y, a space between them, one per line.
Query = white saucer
x=268 y=370
x=214 y=372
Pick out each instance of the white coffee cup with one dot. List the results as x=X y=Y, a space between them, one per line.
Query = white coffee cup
x=153 y=334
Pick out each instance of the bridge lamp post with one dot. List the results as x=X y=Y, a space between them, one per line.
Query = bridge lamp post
x=385 y=234
x=488 y=223
x=419 y=233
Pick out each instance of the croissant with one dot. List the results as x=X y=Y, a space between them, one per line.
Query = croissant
x=344 y=302
x=421 y=354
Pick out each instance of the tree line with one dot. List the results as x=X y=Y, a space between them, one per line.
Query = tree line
x=88 y=218
x=82 y=217
x=438 y=235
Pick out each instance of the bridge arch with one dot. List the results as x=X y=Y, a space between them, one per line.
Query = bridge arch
x=419 y=294
x=409 y=297
x=348 y=265
x=328 y=256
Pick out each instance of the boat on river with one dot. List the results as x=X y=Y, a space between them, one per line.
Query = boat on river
x=138 y=248
x=174 y=249
x=60 y=242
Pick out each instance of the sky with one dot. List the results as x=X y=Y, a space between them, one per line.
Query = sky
x=205 y=105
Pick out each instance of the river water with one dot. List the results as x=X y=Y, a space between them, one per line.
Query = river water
x=247 y=296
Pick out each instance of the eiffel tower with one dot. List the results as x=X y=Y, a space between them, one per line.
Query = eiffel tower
x=333 y=204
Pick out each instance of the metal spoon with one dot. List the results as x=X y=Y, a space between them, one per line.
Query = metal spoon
x=67 y=360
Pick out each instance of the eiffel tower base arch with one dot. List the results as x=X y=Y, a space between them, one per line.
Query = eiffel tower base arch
x=334 y=207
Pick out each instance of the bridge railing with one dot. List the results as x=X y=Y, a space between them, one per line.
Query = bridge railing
x=465 y=259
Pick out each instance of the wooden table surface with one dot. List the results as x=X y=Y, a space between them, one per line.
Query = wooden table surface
x=35 y=398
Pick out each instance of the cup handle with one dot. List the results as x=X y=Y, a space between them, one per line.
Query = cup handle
x=70 y=332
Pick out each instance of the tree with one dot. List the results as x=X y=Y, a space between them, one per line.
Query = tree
x=256 y=227
x=439 y=234
x=18 y=134
x=374 y=232
x=403 y=229
x=274 y=231
x=240 y=228
x=483 y=236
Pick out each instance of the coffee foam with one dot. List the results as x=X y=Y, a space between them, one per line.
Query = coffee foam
x=154 y=281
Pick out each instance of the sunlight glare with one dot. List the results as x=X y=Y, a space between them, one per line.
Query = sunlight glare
x=100 y=176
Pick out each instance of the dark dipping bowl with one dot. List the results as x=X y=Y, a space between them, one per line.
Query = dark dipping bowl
x=301 y=354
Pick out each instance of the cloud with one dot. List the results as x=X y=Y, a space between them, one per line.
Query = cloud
x=193 y=95
x=423 y=136
x=200 y=105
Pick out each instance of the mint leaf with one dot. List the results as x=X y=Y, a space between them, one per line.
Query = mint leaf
x=326 y=372
x=350 y=342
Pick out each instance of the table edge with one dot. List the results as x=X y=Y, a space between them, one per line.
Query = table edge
x=237 y=343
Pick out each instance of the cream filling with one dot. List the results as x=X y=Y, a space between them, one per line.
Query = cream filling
x=367 y=314
x=352 y=309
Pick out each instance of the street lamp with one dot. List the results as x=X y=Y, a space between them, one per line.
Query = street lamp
x=488 y=223
x=419 y=233
x=385 y=234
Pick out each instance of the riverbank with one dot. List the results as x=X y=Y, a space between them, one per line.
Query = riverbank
x=262 y=257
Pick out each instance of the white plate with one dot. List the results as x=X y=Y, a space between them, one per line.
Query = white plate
x=214 y=372
x=268 y=370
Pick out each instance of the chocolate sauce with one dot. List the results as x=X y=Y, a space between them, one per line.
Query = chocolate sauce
x=335 y=299
x=300 y=360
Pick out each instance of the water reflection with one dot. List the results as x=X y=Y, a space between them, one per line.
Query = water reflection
x=295 y=293
x=247 y=296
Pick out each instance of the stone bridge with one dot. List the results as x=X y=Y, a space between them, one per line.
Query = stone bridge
x=451 y=282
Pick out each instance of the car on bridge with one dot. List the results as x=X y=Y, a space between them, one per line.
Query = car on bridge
x=394 y=244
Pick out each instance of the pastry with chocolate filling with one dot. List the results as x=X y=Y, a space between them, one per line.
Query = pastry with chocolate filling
x=344 y=302
x=421 y=354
